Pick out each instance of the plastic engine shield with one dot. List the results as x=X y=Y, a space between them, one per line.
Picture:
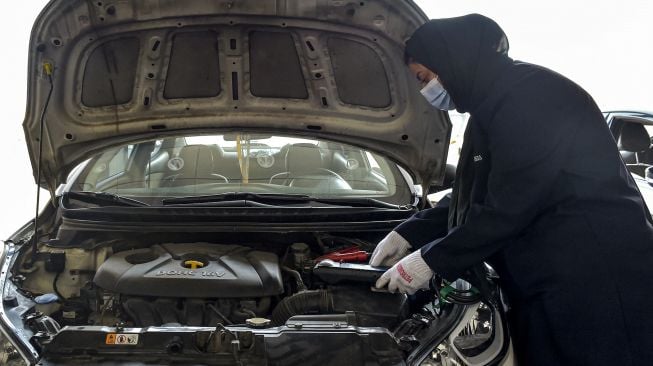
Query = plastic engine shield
x=222 y=271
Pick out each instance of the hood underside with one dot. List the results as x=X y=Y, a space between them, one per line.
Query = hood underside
x=125 y=71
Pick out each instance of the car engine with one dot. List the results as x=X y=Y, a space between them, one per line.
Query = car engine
x=238 y=280
x=192 y=270
x=204 y=284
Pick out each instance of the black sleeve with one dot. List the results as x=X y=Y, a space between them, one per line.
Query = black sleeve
x=528 y=144
x=425 y=226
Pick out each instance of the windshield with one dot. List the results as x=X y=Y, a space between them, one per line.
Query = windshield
x=197 y=165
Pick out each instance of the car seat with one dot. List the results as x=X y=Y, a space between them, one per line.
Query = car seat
x=634 y=140
x=304 y=169
x=194 y=165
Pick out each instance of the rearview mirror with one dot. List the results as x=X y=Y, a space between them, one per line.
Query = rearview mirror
x=250 y=136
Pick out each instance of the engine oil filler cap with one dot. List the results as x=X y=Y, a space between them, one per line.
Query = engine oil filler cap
x=258 y=322
x=193 y=264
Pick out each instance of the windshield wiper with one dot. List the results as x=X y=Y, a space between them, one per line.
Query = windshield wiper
x=104 y=198
x=361 y=202
x=279 y=199
x=237 y=196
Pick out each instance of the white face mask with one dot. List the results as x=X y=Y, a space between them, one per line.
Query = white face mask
x=436 y=95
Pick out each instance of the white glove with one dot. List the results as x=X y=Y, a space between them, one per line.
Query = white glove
x=408 y=275
x=390 y=250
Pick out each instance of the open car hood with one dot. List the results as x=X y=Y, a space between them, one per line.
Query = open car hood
x=125 y=71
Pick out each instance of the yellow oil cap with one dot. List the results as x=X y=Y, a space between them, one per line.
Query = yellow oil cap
x=192 y=264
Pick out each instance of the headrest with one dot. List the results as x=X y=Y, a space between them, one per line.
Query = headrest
x=633 y=137
x=303 y=158
x=198 y=160
x=218 y=151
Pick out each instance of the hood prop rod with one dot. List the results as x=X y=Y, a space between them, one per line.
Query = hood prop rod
x=48 y=70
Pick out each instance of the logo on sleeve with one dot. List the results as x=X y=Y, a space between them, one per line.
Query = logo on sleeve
x=477 y=158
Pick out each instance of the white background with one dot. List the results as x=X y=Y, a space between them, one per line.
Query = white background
x=606 y=46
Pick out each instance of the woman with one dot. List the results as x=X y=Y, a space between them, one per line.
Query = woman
x=541 y=194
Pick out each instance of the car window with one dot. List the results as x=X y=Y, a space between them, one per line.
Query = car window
x=112 y=163
x=119 y=162
x=649 y=128
x=242 y=162
x=157 y=147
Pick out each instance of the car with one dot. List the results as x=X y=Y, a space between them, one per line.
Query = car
x=218 y=174
x=633 y=132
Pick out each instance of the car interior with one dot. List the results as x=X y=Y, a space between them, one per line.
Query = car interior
x=635 y=145
x=318 y=166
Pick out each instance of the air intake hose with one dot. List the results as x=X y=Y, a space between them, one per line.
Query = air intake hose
x=302 y=303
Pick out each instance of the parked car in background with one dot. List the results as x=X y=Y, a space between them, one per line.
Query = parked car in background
x=633 y=132
x=219 y=173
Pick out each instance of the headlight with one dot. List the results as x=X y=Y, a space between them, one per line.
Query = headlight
x=477 y=340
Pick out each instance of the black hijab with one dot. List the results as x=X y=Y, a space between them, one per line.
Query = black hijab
x=467 y=53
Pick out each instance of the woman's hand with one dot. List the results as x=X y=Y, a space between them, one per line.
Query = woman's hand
x=407 y=276
x=390 y=250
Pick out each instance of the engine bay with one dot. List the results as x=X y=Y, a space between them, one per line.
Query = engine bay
x=262 y=297
x=203 y=284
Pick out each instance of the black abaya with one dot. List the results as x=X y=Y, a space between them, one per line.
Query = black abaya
x=542 y=195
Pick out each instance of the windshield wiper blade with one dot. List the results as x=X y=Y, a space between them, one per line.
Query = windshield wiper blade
x=102 y=198
x=238 y=196
x=280 y=199
x=360 y=202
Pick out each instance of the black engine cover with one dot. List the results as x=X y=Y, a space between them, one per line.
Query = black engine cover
x=165 y=270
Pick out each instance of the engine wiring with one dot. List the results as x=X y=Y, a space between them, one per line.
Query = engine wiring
x=56 y=289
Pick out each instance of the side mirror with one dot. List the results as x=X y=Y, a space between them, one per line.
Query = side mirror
x=449 y=176
x=648 y=175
